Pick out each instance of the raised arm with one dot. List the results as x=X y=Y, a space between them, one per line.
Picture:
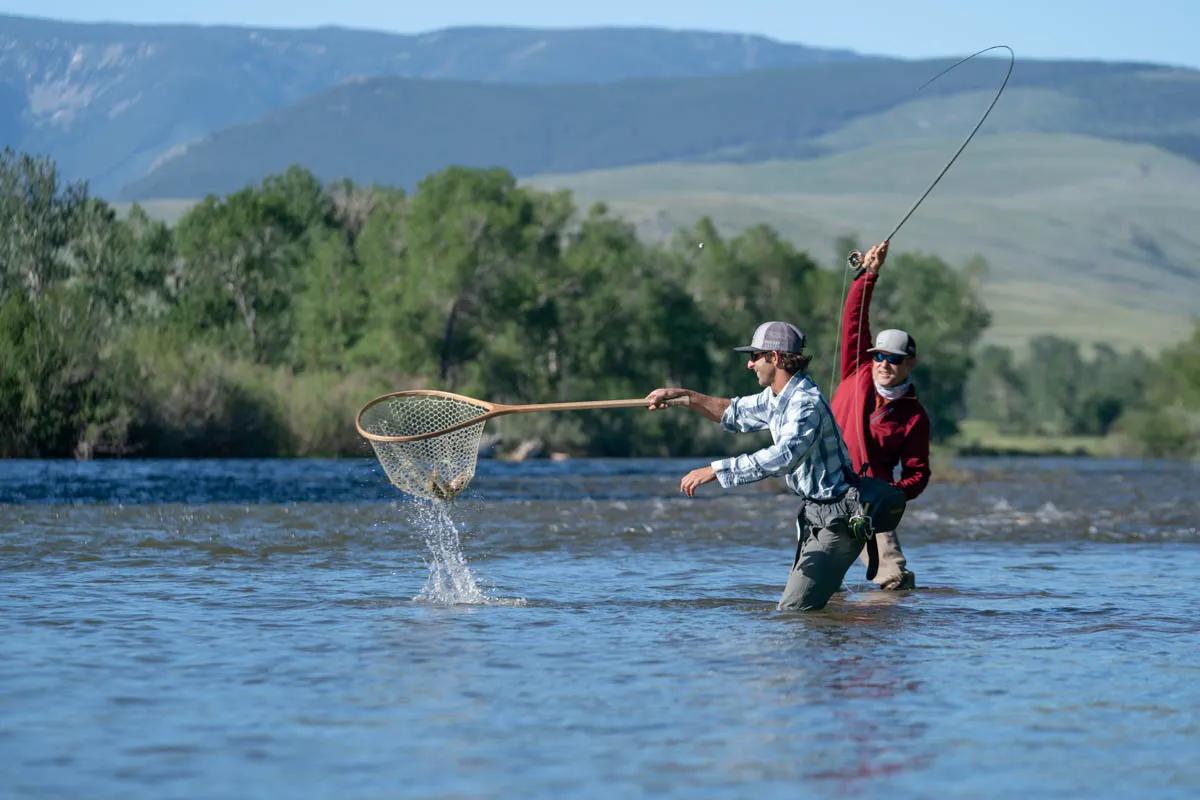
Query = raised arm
x=856 y=314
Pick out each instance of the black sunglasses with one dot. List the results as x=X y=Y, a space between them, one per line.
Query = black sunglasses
x=757 y=354
x=894 y=359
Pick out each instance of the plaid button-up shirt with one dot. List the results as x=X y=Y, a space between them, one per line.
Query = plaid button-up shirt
x=808 y=446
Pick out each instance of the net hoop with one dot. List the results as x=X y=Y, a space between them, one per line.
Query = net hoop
x=488 y=408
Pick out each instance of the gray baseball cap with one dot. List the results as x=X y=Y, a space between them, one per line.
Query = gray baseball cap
x=894 y=341
x=782 y=336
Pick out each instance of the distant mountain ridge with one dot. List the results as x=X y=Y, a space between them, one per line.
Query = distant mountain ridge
x=107 y=101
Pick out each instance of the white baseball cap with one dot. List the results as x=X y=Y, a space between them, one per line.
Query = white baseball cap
x=894 y=341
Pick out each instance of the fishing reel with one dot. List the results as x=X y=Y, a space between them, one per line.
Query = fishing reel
x=854 y=260
x=862 y=527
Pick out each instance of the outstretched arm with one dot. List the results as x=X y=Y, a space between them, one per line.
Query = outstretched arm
x=856 y=316
x=747 y=416
x=703 y=404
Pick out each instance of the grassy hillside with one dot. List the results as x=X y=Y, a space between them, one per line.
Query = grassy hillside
x=1086 y=238
x=396 y=131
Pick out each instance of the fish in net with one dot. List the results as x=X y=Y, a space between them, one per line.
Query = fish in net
x=438 y=467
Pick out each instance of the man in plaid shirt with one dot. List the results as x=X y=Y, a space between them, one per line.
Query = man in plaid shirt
x=807 y=451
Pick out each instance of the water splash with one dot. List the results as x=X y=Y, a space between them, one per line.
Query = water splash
x=450 y=580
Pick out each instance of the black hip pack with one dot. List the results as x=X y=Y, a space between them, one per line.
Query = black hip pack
x=879 y=507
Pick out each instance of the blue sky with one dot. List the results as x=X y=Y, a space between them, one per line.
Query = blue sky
x=1161 y=31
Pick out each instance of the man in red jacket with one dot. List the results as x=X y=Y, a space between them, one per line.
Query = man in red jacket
x=877 y=409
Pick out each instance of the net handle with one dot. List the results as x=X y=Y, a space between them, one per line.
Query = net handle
x=493 y=410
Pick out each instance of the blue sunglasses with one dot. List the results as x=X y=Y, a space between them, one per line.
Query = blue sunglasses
x=894 y=359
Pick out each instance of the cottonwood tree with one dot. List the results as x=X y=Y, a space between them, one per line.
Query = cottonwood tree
x=37 y=222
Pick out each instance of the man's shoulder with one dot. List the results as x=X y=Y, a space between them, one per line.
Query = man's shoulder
x=760 y=397
x=918 y=414
x=918 y=407
x=806 y=397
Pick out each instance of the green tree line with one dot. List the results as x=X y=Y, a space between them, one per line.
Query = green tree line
x=1151 y=406
x=264 y=319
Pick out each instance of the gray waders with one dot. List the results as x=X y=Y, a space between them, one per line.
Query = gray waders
x=825 y=550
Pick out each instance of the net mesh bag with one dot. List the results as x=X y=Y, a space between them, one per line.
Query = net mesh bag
x=437 y=468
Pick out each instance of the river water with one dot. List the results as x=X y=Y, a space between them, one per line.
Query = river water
x=579 y=629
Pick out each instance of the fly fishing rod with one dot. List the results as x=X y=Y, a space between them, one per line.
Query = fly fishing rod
x=854 y=260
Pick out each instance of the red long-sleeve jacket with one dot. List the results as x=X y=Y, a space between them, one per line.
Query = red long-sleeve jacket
x=878 y=432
